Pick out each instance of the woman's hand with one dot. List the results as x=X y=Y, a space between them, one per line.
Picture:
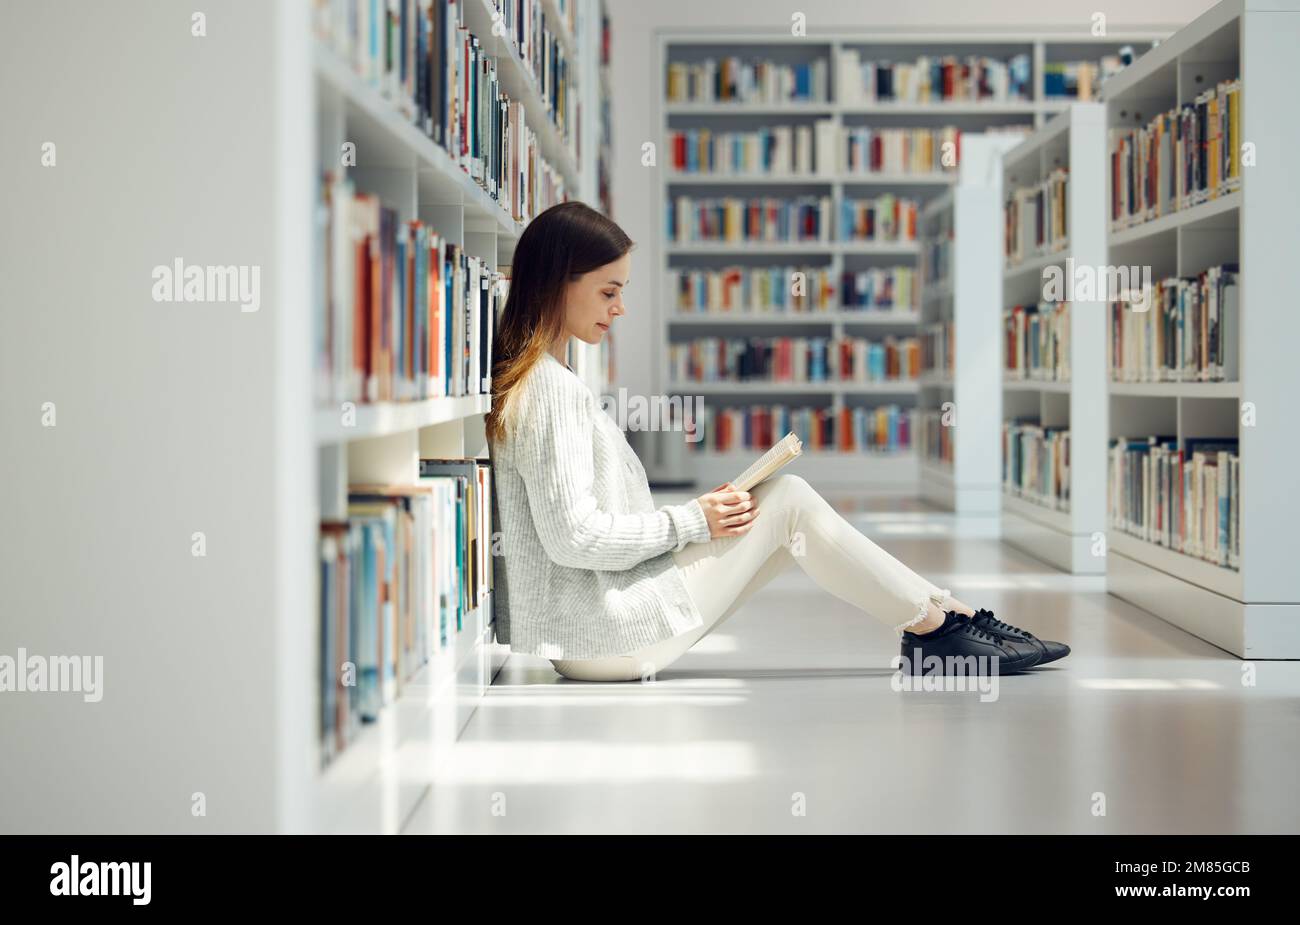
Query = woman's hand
x=728 y=511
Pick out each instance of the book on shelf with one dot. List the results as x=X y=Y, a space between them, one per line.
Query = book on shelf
x=884 y=218
x=936 y=256
x=733 y=80
x=934 y=441
x=884 y=428
x=777 y=150
x=1180 y=159
x=403 y=314
x=783 y=452
x=1185 y=498
x=1079 y=80
x=879 y=288
x=795 y=360
x=420 y=57
x=1036 y=462
x=1035 y=220
x=763 y=290
x=535 y=38
x=1186 y=329
x=732 y=219
x=938 y=347
x=1036 y=342
x=397 y=577
x=470 y=479
x=870 y=149
x=932 y=79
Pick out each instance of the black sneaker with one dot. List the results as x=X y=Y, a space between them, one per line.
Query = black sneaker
x=959 y=638
x=985 y=620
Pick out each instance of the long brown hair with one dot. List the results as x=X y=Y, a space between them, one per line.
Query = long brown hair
x=563 y=243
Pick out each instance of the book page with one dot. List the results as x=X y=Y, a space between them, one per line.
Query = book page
x=770 y=462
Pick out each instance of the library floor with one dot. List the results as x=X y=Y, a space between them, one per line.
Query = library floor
x=784 y=721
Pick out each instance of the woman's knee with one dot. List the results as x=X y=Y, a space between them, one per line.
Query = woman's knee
x=784 y=487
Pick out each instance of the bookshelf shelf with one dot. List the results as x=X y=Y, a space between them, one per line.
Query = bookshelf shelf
x=517 y=81
x=1214 y=212
x=943 y=109
x=385 y=139
x=1076 y=140
x=880 y=248
x=933 y=380
x=713 y=109
x=896 y=179
x=1035 y=265
x=864 y=318
x=794 y=388
x=747 y=179
x=1037 y=511
x=1177 y=389
x=963 y=296
x=559 y=24
x=1036 y=385
x=848 y=110
x=1199 y=572
x=375 y=782
x=1253 y=612
x=810 y=179
x=755 y=247
x=385 y=418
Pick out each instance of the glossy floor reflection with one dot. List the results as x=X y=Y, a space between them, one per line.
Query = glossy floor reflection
x=786 y=721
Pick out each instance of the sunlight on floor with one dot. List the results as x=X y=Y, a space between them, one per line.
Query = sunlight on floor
x=574 y=762
x=1149 y=684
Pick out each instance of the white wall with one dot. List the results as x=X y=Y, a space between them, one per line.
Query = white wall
x=170 y=418
x=637 y=83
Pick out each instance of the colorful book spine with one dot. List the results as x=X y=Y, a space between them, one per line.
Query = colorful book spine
x=1184 y=330
x=880 y=288
x=1036 y=463
x=882 y=429
x=1035 y=220
x=397 y=579
x=418 y=55
x=731 y=219
x=938 y=348
x=733 y=80
x=885 y=218
x=794 y=359
x=1181 y=158
x=934 y=441
x=875 y=150
x=1183 y=497
x=1036 y=342
x=778 y=150
x=765 y=290
x=933 y=79
x=403 y=314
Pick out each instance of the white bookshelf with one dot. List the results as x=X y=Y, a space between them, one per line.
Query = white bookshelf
x=1075 y=139
x=1253 y=612
x=901 y=473
x=376 y=782
x=967 y=297
x=182 y=418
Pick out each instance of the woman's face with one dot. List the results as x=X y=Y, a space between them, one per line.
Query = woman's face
x=595 y=299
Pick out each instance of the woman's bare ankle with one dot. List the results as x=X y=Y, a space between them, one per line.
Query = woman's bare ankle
x=934 y=617
x=958 y=607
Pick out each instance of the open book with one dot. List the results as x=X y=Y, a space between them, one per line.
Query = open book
x=767 y=465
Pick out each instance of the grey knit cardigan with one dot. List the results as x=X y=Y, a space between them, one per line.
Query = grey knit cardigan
x=585 y=566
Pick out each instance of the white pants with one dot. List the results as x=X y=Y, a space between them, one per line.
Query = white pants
x=794 y=525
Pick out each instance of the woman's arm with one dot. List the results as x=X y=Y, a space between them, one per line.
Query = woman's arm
x=554 y=456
